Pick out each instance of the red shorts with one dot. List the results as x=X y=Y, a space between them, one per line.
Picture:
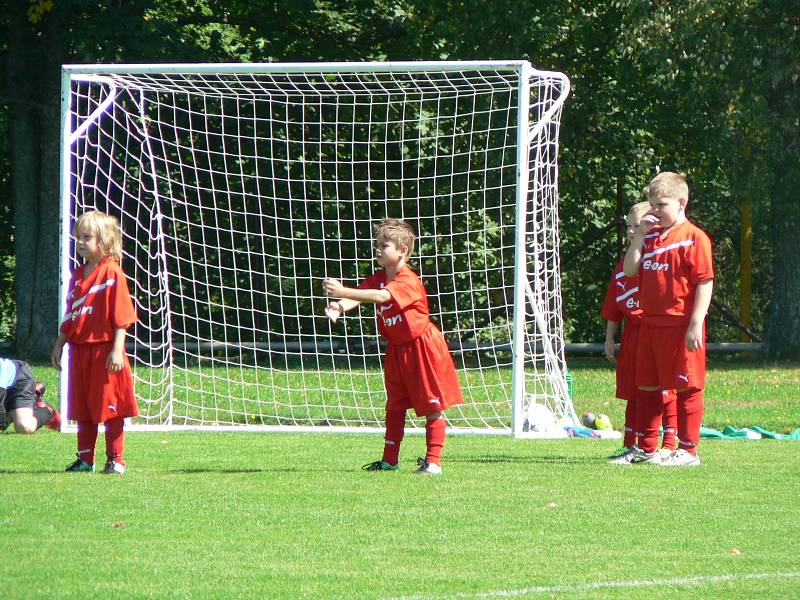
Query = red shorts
x=95 y=394
x=421 y=375
x=663 y=361
x=626 y=363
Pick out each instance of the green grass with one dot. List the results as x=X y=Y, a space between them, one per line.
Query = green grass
x=246 y=515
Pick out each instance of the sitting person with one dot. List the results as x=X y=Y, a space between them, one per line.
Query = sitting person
x=21 y=399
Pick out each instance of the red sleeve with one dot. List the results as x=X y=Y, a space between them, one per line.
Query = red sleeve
x=406 y=289
x=610 y=310
x=702 y=263
x=123 y=313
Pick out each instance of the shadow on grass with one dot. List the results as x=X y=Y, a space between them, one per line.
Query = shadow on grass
x=553 y=459
x=223 y=471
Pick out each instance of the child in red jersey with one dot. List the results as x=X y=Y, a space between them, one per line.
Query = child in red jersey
x=622 y=304
x=673 y=260
x=418 y=369
x=99 y=311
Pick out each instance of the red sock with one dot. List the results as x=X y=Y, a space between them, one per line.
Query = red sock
x=669 y=422
x=395 y=429
x=87 y=438
x=435 y=432
x=690 y=418
x=630 y=425
x=649 y=408
x=115 y=439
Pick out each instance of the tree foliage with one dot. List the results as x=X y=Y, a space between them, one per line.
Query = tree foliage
x=706 y=87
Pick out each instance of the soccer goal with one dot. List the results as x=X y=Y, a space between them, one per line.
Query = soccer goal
x=240 y=187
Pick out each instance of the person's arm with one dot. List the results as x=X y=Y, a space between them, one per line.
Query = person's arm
x=335 y=288
x=350 y=298
x=58 y=349
x=702 y=300
x=336 y=309
x=608 y=347
x=114 y=361
x=633 y=256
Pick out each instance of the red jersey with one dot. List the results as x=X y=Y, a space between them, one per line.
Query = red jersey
x=671 y=268
x=622 y=297
x=406 y=315
x=98 y=304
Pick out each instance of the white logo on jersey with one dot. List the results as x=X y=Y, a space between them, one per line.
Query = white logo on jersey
x=684 y=378
x=651 y=265
x=86 y=310
x=632 y=303
x=392 y=321
x=384 y=307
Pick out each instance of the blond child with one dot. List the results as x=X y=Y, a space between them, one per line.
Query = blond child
x=99 y=312
x=418 y=369
x=621 y=304
x=673 y=260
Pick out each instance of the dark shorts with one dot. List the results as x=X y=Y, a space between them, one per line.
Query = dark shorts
x=21 y=393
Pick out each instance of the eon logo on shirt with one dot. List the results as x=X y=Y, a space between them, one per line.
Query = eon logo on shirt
x=392 y=321
x=83 y=311
x=632 y=303
x=651 y=265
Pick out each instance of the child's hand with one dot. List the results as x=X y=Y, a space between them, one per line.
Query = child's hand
x=333 y=311
x=647 y=223
x=333 y=287
x=114 y=361
x=55 y=355
x=609 y=349
x=694 y=337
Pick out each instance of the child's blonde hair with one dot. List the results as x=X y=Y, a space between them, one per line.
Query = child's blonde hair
x=397 y=231
x=638 y=210
x=106 y=228
x=667 y=185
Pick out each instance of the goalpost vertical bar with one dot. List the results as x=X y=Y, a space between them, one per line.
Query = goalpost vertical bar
x=520 y=261
x=66 y=185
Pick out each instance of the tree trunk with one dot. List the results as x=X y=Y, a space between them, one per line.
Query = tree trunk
x=33 y=64
x=782 y=339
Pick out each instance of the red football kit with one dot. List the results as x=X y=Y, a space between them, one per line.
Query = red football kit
x=670 y=270
x=418 y=369
x=621 y=303
x=97 y=305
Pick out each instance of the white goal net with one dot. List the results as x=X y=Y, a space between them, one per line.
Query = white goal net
x=240 y=187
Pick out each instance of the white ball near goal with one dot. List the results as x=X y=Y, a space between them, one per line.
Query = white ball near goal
x=539 y=418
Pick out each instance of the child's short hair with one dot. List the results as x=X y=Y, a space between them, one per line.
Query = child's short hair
x=107 y=230
x=638 y=210
x=397 y=231
x=667 y=185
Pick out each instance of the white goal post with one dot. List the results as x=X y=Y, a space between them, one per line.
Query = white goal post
x=239 y=187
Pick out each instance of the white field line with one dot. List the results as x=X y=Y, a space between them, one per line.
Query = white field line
x=609 y=585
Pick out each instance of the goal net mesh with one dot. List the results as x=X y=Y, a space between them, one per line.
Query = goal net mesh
x=239 y=190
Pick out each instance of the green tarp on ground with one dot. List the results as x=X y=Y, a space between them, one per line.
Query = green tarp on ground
x=747 y=433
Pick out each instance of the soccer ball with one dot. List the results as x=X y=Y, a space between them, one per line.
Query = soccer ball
x=539 y=418
x=588 y=420
x=602 y=421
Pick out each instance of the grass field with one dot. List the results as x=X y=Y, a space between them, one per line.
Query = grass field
x=243 y=515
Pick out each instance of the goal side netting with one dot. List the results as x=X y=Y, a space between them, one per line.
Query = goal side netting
x=239 y=188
